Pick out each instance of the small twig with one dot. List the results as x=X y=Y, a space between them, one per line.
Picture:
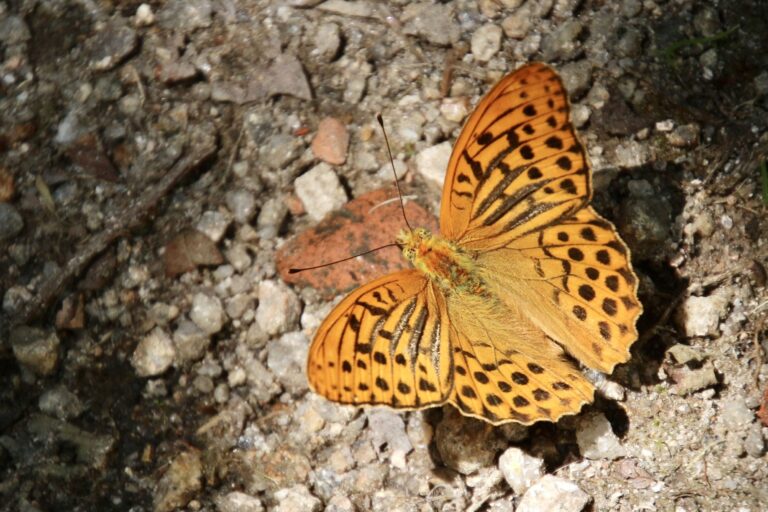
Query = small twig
x=132 y=215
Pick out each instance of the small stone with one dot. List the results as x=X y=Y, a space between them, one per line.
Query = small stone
x=389 y=437
x=341 y=459
x=296 y=498
x=359 y=8
x=13 y=30
x=754 y=444
x=331 y=142
x=707 y=21
x=735 y=413
x=454 y=109
x=242 y=204
x=214 y=224
x=432 y=162
x=320 y=191
x=630 y=44
x=279 y=308
x=144 y=16
x=665 y=126
x=684 y=354
x=553 y=493
x=631 y=8
x=520 y=470
x=577 y=77
x=186 y=15
x=700 y=316
x=236 y=501
x=563 y=44
x=689 y=380
x=339 y=503
x=207 y=313
x=271 y=217
x=685 y=136
x=309 y=418
x=517 y=25
x=596 y=439
x=761 y=83
x=465 y=444
x=154 y=354
x=11 y=222
x=180 y=483
x=286 y=76
x=190 y=342
x=35 y=349
x=327 y=41
x=486 y=42
x=286 y=358
x=61 y=403
x=433 y=22
x=111 y=46
x=91 y=450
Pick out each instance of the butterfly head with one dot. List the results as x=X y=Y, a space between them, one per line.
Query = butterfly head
x=412 y=242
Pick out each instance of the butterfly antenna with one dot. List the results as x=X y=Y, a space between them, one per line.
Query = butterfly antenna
x=394 y=171
x=297 y=270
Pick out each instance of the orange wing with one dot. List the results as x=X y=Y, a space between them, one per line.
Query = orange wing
x=517 y=165
x=385 y=343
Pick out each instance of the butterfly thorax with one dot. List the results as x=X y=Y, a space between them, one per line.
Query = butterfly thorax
x=446 y=264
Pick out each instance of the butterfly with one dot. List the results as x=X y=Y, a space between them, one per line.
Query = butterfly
x=523 y=280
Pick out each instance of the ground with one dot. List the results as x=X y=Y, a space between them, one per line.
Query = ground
x=154 y=159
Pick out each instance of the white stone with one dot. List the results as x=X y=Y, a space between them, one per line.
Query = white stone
x=388 y=431
x=236 y=501
x=296 y=498
x=286 y=358
x=279 y=308
x=700 y=316
x=190 y=341
x=320 y=191
x=486 y=42
x=154 y=354
x=553 y=494
x=596 y=439
x=207 y=312
x=144 y=16
x=520 y=470
x=214 y=224
x=432 y=162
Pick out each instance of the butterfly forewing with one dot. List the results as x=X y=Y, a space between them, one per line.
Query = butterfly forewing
x=384 y=344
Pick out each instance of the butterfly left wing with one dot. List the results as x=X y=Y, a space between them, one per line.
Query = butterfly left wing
x=517 y=165
x=386 y=343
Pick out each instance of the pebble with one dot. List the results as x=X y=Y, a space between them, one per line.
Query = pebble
x=735 y=414
x=271 y=217
x=279 y=307
x=207 y=313
x=517 y=25
x=707 y=21
x=13 y=30
x=433 y=22
x=144 y=16
x=562 y=44
x=389 y=437
x=11 y=222
x=91 y=450
x=186 y=15
x=465 y=444
x=685 y=136
x=181 y=482
x=684 y=354
x=520 y=470
x=553 y=493
x=286 y=76
x=296 y=498
x=237 y=305
x=242 y=204
x=700 y=316
x=35 y=349
x=237 y=256
x=577 y=77
x=236 y=501
x=286 y=358
x=339 y=503
x=61 y=403
x=320 y=191
x=327 y=42
x=432 y=162
x=596 y=439
x=214 y=224
x=261 y=381
x=111 y=46
x=154 y=354
x=331 y=142
x=631 y=8
x=689 y=380
x=486 y=42
x=454 y=109
x=630 y=44
x=190 y=341
x=665 y=126
x=754 y=444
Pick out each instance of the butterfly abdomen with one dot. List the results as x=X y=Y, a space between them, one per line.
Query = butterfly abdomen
x=442 y=261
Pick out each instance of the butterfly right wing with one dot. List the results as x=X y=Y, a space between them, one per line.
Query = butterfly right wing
x=385 y=343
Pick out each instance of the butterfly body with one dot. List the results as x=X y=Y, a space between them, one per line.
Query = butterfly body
x=523 y=279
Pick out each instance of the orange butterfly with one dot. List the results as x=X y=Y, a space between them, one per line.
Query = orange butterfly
x=523 y=274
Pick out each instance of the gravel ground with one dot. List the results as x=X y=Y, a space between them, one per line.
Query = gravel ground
x=154 y=158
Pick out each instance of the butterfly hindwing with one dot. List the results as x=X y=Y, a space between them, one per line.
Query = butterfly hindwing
x=385 y=343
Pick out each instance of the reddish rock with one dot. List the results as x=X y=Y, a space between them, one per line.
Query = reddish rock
x=362 y=224
x=331 y=142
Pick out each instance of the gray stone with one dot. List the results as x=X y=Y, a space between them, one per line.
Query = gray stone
x=518 y=25
x=554 y=494
x=190 y=342
x=433 y=22
x=754 y=444
x=186 y=15
x=112 y=45
x=207 y=313
x=327 y=41
x=236 y=501
x=689 y=380
x=13 y=30
x=35 y=349
x=279 y=307
x=486 y=42
x=61 y=403
x=214 y=224
x=320 y=191
x=700 y=316
x=242 y=204
x=271 y=217
x=577 y=77
x=596 y=439
x=286 y=358
x=296 y=498
x=154 y=354
x=563 y=44
x=685 y=136
x=89 y=449
x=11 y=222
x=630 y=44
x=520 y=470
x=286 y=76
x=735 y=414
x=432 y=162
x=465 y=444
x=389 y=437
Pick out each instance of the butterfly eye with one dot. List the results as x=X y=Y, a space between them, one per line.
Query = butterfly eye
x=409 y=253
